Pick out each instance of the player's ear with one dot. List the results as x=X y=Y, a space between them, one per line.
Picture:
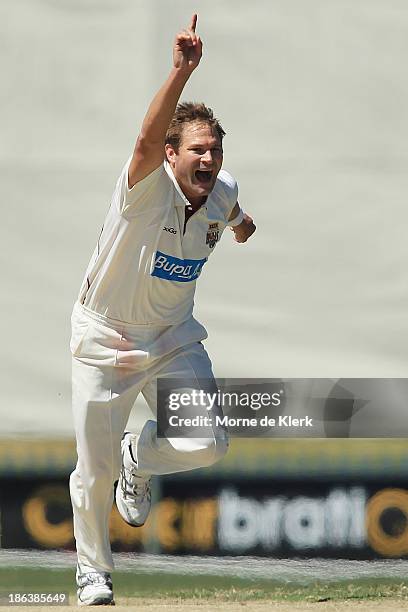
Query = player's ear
x=170 y=154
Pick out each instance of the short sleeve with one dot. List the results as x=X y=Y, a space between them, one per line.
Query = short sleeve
x=144 y=192
x=230 y=191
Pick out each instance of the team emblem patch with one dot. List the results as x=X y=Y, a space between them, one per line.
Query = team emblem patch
x=212 y=235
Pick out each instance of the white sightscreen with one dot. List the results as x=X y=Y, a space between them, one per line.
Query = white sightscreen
x=314 y=98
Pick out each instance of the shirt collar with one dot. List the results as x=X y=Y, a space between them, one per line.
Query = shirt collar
x=178 y=202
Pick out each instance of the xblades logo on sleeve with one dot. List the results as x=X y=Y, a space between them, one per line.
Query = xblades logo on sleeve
x=175 y=269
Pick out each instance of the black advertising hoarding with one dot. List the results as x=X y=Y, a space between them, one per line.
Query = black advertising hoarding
x=359 y=520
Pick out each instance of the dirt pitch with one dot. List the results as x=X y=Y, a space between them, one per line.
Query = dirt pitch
x=169 y=605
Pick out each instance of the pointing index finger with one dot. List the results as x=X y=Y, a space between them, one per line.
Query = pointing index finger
x=193 y=22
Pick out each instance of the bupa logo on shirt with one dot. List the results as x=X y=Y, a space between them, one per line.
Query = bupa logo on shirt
x=175 y=269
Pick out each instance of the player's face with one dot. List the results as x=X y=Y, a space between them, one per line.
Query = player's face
x=197 y=162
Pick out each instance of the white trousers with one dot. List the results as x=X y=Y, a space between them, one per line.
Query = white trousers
x=112 y=363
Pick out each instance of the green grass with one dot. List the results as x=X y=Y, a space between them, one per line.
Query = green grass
x=218 y=588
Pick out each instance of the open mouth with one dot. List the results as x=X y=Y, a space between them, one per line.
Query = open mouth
x=203 y=176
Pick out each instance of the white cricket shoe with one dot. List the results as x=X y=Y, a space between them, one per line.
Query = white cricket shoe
x=94 y=589
x=133 y=496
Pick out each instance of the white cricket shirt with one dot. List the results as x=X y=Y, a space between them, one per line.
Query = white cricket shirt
x=144 y=268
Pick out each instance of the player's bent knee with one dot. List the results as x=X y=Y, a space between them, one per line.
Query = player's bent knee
x=214 y=450
x=221 y=448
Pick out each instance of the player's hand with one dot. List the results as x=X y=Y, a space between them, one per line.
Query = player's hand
x=245 y=229
x=188 y=48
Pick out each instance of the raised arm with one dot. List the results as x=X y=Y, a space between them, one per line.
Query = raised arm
x=149 y=149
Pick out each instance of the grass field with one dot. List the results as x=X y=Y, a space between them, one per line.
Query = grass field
x=172 y=592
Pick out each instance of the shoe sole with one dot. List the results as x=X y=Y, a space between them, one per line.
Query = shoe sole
x=116 y=494
x=125 y=519
x=99 y=601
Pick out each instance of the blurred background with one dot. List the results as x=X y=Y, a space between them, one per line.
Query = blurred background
x=313 y=97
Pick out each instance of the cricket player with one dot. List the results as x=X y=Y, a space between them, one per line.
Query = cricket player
x=133 y=321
